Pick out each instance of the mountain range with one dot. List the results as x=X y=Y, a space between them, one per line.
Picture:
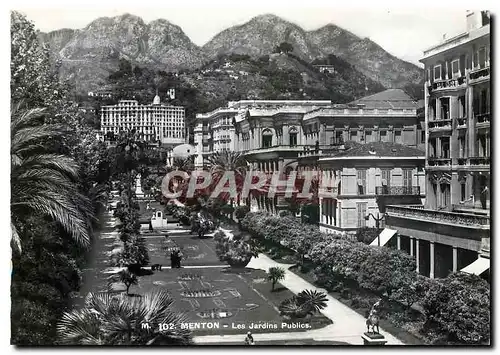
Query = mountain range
x=88 y=55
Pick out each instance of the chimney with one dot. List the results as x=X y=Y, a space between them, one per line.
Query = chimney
x=474 y=20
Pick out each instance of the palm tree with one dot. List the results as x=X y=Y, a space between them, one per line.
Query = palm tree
x=228 y=161
x=120 y=320
x=312 y=301
x=275 y=274
x=305 y=303
x=43 y=182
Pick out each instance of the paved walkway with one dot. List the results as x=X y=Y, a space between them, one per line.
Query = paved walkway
x=348 y=326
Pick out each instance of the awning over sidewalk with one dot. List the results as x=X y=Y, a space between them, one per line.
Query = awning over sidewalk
x=477 y=267
x=384 y=237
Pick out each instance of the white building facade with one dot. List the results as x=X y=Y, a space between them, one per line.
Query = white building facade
x=155 y=122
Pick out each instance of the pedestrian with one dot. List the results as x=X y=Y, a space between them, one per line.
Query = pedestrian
x=172 y=260
x=249 y=339
x=179 y=258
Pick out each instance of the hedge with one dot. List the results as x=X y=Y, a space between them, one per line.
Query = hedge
x=386 y=272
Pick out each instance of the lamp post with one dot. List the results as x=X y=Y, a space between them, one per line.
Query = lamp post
x=377 y=219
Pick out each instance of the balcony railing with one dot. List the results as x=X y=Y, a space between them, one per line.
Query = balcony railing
x=479 y=160
x=462 y=161
x=440 y=124
x=483 y=117
x=439 y=161
x=454 y=218
x=447 y=83
x=397 y=190
x=479 y=74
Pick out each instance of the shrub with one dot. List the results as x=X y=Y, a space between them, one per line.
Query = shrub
x=241 y=211
x=460 y=306
x=367 y=235
x=235 y=250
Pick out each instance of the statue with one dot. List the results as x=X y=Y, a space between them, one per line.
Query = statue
x=138 y=188
x=373 y=318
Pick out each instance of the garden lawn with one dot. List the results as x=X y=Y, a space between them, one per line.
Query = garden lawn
x=245 y=295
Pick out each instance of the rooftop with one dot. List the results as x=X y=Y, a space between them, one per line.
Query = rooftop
x=390 y=98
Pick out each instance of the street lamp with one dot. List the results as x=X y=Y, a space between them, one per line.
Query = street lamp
x=377 y=219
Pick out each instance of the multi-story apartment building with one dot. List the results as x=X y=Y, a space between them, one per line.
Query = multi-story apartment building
x=454 y=227
x=155 y=122
x=366 y=178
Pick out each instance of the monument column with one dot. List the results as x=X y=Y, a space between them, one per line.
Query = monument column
x=399 y=241
x=411 y=246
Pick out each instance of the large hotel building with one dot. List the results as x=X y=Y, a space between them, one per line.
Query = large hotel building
x=155 y=123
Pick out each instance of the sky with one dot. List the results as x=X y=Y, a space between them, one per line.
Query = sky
x=403 y=32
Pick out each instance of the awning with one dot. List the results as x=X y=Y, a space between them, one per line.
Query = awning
x=384 y=237
x=477 y=267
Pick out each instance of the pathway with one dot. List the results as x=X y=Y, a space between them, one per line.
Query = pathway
x=348 y=326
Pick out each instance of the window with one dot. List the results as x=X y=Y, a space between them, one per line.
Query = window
x=432 y=148
x=432 y=109
x=339 y=137
x=437 y=72
x=386 y=180
x=407 y=180
x=422 y=136
x=462 y=192
x=383 y=136
x=354 y=136
x=455 y=68
x=445 y=147
x=482 y=57
x=397 y=137
x=361 y=174
x=461 y=147
x=267 y=138
x=293 y=136
x=361 y=208
x=368 y=136
x=445 y=195
x=445 y=108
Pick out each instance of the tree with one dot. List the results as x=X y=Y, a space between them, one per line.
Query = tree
x=305 y=303
x=237 y=251
x=228 y=162
x=128 y=279
x=119 y=320
x=275 y=274
x=459 y=306
x=284 y=47
x=43 y=182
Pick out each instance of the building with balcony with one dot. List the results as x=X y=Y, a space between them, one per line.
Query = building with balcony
x=451 y=232
x=158 y=123
x=364 y=179
x=249 y=125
